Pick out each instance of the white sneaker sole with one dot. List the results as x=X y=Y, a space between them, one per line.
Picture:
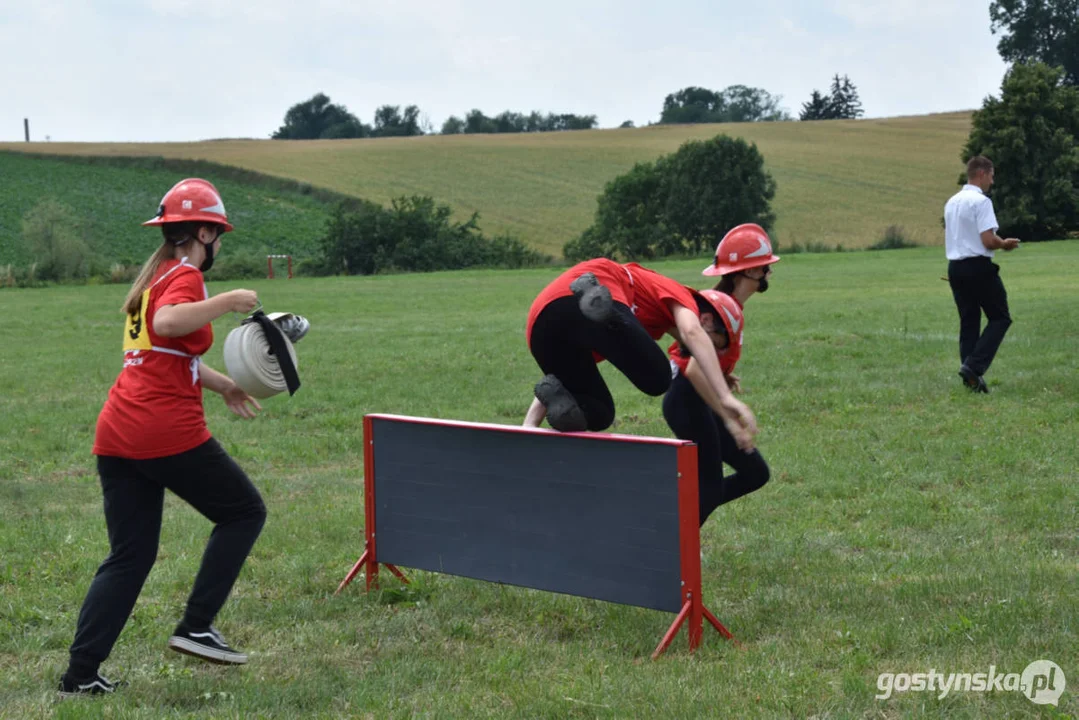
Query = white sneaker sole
x=221 y=657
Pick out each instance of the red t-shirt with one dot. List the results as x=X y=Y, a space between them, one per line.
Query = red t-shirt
x=727 y=357
x=154 y=408
x=644 y=291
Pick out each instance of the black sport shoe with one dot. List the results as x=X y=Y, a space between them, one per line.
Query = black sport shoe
x=205 y=644
x=563 y=412
x=975 y=383
x=96 y=685
x=594 y=299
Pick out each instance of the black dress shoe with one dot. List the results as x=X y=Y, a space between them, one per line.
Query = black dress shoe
x=975 y=383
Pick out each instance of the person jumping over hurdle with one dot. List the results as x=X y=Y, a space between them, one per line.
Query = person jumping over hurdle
x=601 y=309
x=743 y=260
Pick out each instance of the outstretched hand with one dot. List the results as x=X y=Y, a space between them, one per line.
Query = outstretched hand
x=240 y=403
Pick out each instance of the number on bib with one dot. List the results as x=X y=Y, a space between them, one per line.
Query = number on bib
x=136 y=336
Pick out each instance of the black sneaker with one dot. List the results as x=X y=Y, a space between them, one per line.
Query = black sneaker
x=96 y=685
x=206 y=644
x=563 y=412
x=594 y=299
x=975 y=383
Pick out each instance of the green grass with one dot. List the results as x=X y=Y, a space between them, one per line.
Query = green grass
x=838 y=181
x=112 y=201
x=909 y=524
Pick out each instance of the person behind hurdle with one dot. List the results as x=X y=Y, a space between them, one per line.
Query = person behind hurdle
x=744 y=259
x=151 y=436
x=601 y=309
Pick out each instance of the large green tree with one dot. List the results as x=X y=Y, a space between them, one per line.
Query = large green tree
x=1031 y=133
x=681 y=203
x=1039 y=30
x=713 y=185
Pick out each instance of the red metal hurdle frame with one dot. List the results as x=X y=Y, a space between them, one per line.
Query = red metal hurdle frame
x=269 y=265
x=693 y=611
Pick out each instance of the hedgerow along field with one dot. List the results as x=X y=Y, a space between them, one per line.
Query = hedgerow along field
x=110 y=202
x=839 y=182
x=909 y=525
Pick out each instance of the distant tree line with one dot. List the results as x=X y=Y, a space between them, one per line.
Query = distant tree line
x=320 y=119
x=841 y=103
x=733 y=104
x=514 y=122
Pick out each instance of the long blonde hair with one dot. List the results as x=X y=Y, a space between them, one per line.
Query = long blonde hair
x=174 y=234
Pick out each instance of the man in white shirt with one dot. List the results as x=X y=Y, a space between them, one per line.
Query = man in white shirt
x=970 y=238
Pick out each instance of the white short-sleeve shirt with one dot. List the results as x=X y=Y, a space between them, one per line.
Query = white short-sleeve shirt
x=967 y=215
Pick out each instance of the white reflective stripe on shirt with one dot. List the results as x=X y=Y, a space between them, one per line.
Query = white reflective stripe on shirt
x=182 y=264
x=195 y=359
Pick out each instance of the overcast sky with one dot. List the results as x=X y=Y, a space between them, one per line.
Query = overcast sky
x=179 y=70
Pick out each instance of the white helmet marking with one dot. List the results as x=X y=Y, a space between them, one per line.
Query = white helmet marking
x=735 y=324
x=762 y=251
x=218 y=208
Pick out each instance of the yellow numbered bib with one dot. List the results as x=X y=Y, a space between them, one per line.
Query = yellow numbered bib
x=136 y=336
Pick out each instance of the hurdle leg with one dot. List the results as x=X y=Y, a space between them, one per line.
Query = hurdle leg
x=719 y=626
x=672 y=630
x=353 y=572
x=398 y=573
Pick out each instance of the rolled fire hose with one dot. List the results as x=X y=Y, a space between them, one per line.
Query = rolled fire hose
x=260 y=358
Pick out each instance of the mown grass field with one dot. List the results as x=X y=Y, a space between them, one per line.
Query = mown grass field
x=838 y=181
x=908 y=526
x=109 y=203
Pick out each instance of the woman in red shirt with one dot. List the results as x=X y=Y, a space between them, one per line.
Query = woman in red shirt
x=744 y=258
x=152 y=436
x=601 y=309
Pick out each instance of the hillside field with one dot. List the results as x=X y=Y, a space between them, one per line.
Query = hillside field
x=110 y=202
x=909 y=525
x=842 y=181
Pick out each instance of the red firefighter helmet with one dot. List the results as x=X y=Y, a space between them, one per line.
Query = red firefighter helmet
x=728 y=310
x=746 y=246
x=191 y=200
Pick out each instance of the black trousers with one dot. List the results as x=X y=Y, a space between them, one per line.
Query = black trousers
x=563 y=342
x=211 y=482
x=690 y=418
x=977 y=288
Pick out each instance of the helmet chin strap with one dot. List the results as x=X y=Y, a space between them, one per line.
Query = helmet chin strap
x=208 y=261
x=762 y=281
